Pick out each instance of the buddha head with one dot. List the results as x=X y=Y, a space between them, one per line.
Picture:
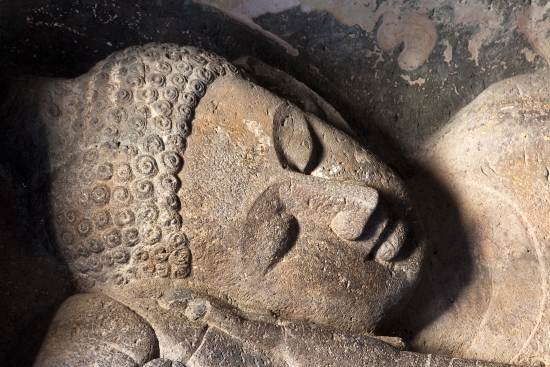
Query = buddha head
x=169 y=168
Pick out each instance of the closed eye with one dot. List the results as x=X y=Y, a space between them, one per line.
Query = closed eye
x=295 y=144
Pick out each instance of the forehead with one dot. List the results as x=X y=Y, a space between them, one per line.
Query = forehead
x=239 y=115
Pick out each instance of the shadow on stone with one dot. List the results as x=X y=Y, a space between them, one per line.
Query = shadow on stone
x=33 y=282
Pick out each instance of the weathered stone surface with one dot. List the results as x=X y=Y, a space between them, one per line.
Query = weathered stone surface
x=167 y=170
x=97 y=330
x=476 y=39
x=211 y=221
x=118 y=149
x=485 y=292
x=120 y=193
x=232 y=341
x=163 y=362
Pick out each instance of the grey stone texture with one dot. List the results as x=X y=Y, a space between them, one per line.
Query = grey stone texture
x=208 y=221
x=90 y=328
x=489 y=264
x=392 y=117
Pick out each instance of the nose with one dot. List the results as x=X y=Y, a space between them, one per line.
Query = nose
x=354 y=212
x=342 y=158
x=343 y=188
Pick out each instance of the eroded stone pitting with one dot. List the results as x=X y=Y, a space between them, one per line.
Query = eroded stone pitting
x=402 y=23
x=418 y=81
x=486 y=19
x=362 y=13
x=448 y=53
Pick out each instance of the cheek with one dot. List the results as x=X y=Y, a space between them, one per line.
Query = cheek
x=316 y=278
x=319 y=274
x=328 y=267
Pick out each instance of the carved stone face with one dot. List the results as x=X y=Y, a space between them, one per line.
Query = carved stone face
x=288 y=217
x=169 y=170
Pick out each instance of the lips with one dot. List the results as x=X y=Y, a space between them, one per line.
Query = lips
x=384 y=235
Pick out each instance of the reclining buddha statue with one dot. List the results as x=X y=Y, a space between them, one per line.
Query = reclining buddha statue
x=211 y=215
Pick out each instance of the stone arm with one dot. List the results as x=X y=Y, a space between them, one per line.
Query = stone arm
x=303 y=345
x=94 y=328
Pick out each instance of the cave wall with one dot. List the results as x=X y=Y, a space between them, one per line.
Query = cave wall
x=398 y=67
